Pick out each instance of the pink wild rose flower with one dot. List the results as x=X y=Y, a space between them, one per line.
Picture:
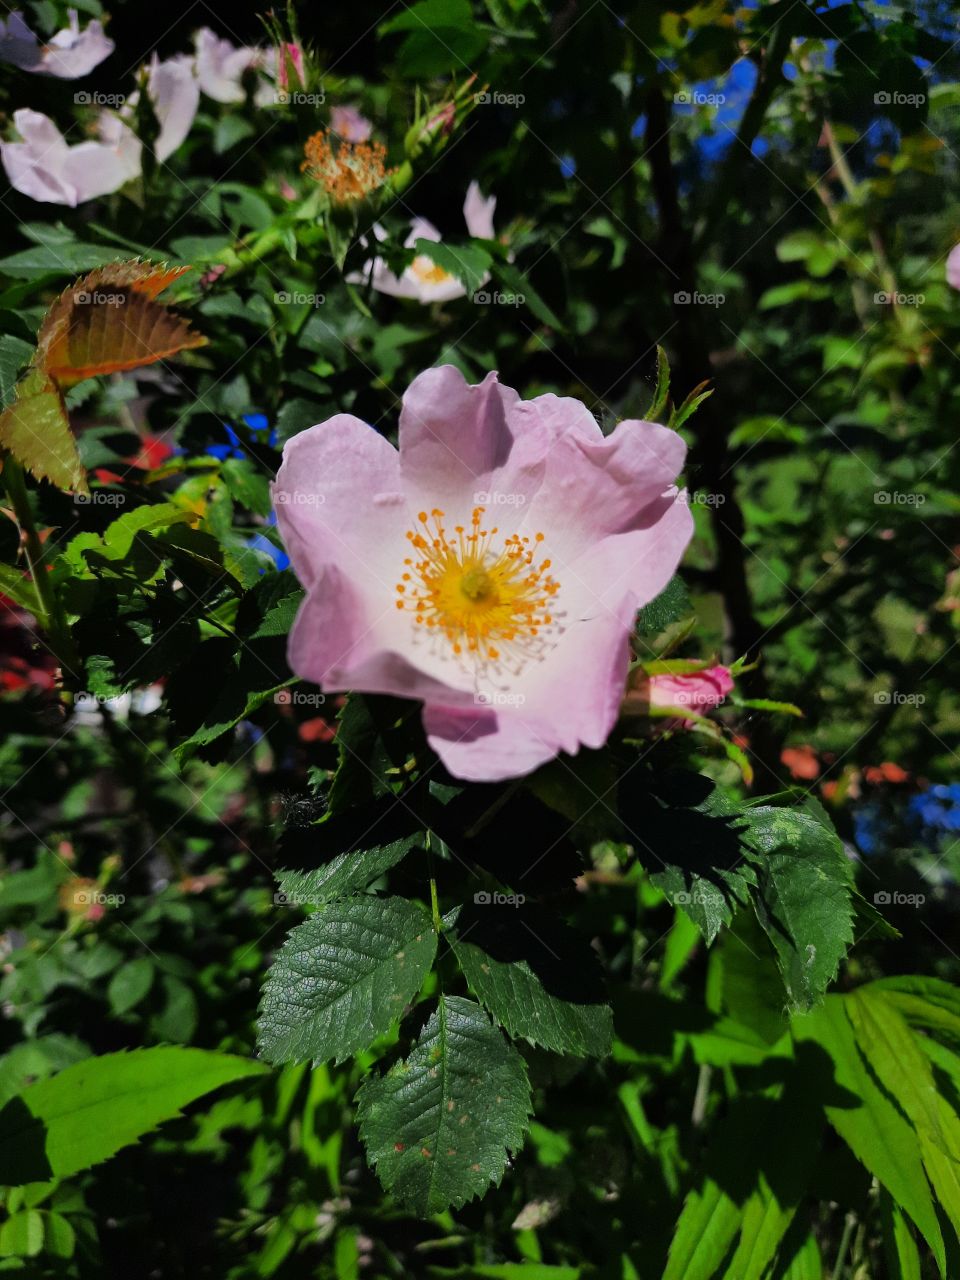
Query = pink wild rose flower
x=953 y=267
x=492 y=567
x=349 y=124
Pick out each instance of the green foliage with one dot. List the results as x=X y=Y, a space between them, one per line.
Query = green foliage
x=343 y=977
x=441 y=1123
x=89 y=1111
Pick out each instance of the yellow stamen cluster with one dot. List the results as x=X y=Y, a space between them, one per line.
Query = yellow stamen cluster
x=427 y=271
x=349 y=171
x=492 y=606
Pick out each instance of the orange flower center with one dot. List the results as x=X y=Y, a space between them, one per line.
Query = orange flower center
x=348 y=172
x=488 y=598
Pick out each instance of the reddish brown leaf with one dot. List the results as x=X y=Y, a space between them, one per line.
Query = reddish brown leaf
x=110 y=320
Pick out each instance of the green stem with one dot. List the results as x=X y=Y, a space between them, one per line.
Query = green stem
x=435 y=907
x=849 y=1224
x=52 y=618
x=434 y=903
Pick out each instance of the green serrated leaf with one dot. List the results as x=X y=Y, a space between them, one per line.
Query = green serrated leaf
x=343 y=977
x=80 y=1117
x=539 y=979
x=345 y=874
x=441 y=1124
x=672 y=604
x=900 y=1247
x=872 y=1126
x=36 y=430
x=14 y=354
x=803 y=896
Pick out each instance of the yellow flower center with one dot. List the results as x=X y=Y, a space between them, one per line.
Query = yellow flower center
x=427 y=271
x=490 y=605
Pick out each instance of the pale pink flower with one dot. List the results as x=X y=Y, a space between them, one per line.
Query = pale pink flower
x=349 y=124
x=44 y=167
x=492 y=567
x=953 y=267
x=221 y=67
x=68 y=54
x=175 y=95
x=423 y=279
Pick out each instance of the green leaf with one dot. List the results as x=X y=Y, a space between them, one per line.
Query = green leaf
x=803 y=896
x=900 y=1247
x=690 y=405
x=62 y=259
x=345 y=874
x=18 y=587
x=247 y=485
x=672 y=604
x=36 y=430
x=343 y=977
x=896 y=1058
x=364 y=741
x=875 y=1130
x=518 y=282
x=803 y=1262
x=688 y=838
x=707 y=1226
x=661 y=395
x=21 y=1236
x=130 y=984
x=468 y=263
x=80 y=1117
x=538 y=978
x=782 y=1131
x=440 y=1125
x=14 y=354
